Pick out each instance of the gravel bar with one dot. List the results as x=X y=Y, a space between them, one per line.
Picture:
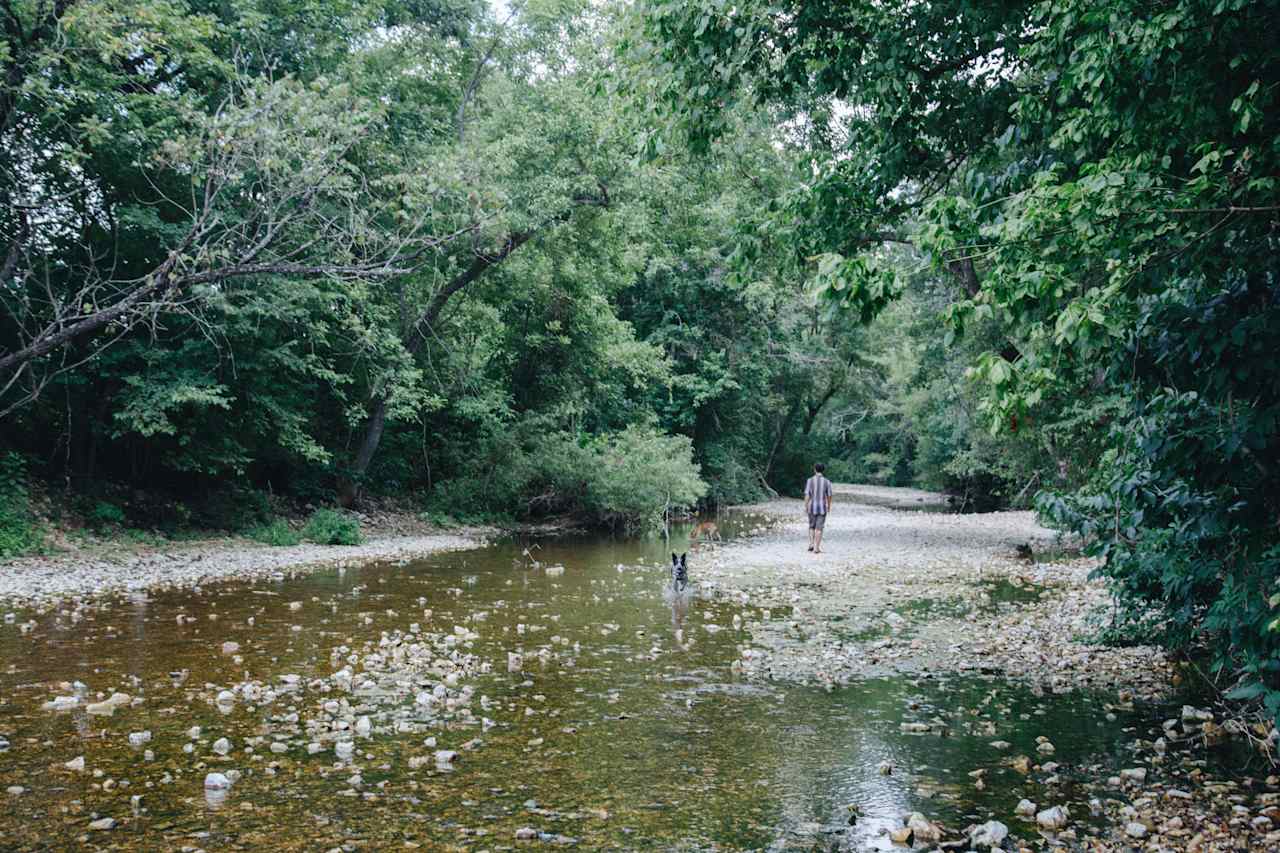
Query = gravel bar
x=39 y=580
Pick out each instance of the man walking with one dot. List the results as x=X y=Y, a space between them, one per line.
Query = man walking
x=817 y=502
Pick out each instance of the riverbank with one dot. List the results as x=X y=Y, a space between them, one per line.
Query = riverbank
x=905 y=589
x=109 y=568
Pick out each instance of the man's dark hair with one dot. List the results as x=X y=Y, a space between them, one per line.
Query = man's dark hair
x=819 y=467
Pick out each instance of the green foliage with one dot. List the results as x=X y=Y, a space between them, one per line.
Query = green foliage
x=19 y=534
x=633 y=477
x=277 y=533
x=331 y=527
x=232 y=508
x=105 y=515
x=1114 y=256
x=624 y=480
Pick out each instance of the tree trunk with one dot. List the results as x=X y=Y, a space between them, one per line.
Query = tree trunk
x=968 y=276
x=350 y=484
x=779 y=439
x=414 y=337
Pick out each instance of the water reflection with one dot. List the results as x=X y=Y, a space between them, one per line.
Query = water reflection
x=626 y=726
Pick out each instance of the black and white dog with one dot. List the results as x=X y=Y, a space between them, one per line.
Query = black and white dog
x=679 y=572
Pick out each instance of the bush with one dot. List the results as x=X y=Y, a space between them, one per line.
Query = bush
x=619 y=479
x=233 y=509
x=633 y=476
x=1182 y=507
x=18 y=535
x=277 y=533
x=330 y=527
x=105 y=514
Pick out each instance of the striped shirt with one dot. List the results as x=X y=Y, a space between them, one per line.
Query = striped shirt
x=817 y=491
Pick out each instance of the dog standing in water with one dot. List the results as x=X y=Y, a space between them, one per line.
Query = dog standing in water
x=707 y=530
x=679 y=572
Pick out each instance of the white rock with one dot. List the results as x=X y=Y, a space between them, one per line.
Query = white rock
x=216 y=782
x=108 y=706
x=989 y=835
x=344 y=749
x=1025 y=808
x=1054 y=818
x=102 y=824
x=139 y=738
x=1133 y=829
x=226 y=697
x=76 y=764
x=922 y=829
x=363 y=726
x=222 y=746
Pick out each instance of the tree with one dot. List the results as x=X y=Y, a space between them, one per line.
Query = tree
x=535 y=157
x=141 y=178
x=1103 y=177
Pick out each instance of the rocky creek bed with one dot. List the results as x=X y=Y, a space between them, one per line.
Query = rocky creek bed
x=905 y=588
x=920 y=684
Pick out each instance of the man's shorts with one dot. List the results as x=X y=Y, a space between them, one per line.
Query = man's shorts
x=817 y=520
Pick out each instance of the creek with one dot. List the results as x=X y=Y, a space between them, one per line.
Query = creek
x=627 y=727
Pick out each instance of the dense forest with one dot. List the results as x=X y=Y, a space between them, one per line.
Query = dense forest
x=549 y=258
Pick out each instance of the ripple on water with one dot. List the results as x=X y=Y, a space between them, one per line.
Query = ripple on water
x=623 y=726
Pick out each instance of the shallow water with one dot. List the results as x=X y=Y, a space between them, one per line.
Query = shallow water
x=625 y=737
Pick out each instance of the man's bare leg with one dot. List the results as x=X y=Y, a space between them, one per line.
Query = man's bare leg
x=817 y=541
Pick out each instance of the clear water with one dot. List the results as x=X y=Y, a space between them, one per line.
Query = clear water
x=645 y=743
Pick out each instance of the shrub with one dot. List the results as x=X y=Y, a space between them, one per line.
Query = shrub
x=277 y=533
x=618 y=479
x=330 y=527
x=18 y=534
x=105 y=514
x=634 y=475
x=233 y=509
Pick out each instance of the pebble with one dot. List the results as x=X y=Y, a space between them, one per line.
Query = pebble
x=989 y=835
x=33 y=580
x=102 y=824
x=216 y=782
x=1053 y=818
x=108 y=706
